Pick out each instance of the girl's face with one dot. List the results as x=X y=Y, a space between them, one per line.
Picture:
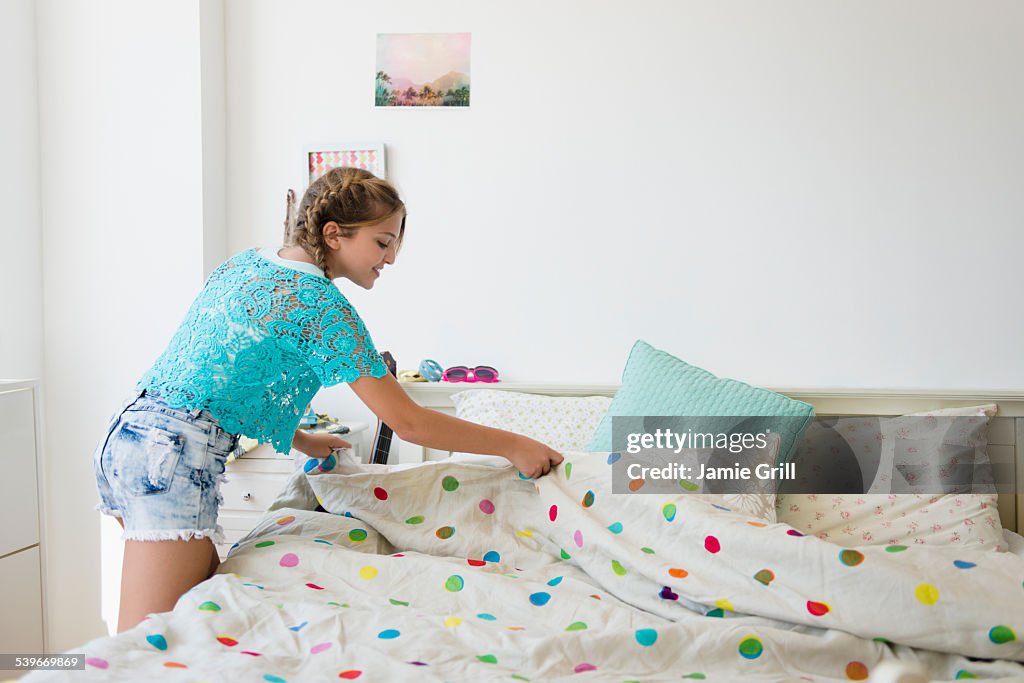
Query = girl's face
x=361 y=257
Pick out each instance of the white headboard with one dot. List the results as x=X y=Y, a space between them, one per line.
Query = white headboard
x=1005 y=432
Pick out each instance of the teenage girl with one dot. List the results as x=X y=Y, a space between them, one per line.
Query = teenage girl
x=268 y=329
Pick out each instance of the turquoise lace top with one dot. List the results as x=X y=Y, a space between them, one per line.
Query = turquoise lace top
x=256 y=345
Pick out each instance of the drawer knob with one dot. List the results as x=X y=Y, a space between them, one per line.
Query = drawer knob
x=247 y=496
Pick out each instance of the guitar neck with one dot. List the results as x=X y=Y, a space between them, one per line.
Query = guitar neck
x=381 y=445
x=383 y=438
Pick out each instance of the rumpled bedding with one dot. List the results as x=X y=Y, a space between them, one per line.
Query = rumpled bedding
x=460 y=572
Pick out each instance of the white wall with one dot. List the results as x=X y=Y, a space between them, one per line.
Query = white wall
x=21 y=316
x=122 y=149
x=791 y=193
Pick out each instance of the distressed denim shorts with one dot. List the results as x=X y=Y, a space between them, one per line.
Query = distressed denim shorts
x=159 y=469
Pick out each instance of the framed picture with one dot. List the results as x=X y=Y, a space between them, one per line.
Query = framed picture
x=422 y=70
x=322 y=158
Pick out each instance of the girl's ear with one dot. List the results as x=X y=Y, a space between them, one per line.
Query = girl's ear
x=332 y=234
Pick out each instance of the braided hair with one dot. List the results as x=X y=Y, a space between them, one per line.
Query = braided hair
x=351 y=197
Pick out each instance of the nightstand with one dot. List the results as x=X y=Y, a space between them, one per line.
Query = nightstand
x=254 y=482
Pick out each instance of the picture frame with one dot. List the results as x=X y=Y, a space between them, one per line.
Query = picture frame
x=321 y=158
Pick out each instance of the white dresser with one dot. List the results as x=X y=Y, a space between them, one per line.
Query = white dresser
x=254 y=482
x=22 y=548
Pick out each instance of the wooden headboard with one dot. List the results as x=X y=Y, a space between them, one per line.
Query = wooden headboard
x=1005 y=432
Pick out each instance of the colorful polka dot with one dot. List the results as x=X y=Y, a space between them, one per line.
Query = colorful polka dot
x=962 y=674
x=724 y=604
x=636 y=484
x=553 y=512
x=264 y=544
x=175 y=665
x=818 y=609
x=273 y=679
x=668 y=594
x=615 y=527
x=711 y=544
x=350 y=674
x=415 y=519
x=856 y=671
x=668 y=511
x=568 y=470
x=492 y=556
x=97 y=662
x=227 y=641
x=287 y=519
x=678 y=573
x=449 y=483
x=647 y=551
x=926 y=594
x=688 y=485
x=486 y=617
x=583 y=667
x=577 y=538
x=618 y=568
x=157 y=641
x=289 y=560
x=751 y=648
x=357 y=535
x=379 y=493
x=564 y=555
x=576 y=626
x=614 y=458
x=487 y=659
x=309 y=465
x=540 y=599
x=398 y=603
x=962 y=564
x=452 y=622
x=765 y=576
x=328 y=464
x=486 y=507
x=445 y=532
x=475 y=563
x=795 y=533
x=1001 y=635
x=646 y=636
x=388 y=634
x=318 y=648
x=454 y=583
x=368 y=572
x=588 y=499
x=314 y=586
x=895 y=548
x=851 y=558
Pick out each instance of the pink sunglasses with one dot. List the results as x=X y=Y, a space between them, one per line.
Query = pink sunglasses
x=460 y=373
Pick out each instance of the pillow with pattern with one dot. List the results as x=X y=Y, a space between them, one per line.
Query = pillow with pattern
x=848 y=518
x=565 y=423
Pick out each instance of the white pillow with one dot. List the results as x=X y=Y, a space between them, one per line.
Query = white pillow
x=565 y=423
x=960 y=520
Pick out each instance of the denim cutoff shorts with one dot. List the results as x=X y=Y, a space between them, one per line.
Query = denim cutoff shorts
x=159 y=469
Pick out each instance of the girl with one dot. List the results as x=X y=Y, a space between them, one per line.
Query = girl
x=266 y=332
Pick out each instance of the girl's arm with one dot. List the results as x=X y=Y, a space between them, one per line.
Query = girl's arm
x=431 y=429
x=317 y=445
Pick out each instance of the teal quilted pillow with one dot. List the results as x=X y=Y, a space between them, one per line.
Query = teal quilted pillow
x=656 y=383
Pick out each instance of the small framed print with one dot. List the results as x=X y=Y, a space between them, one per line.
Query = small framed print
x=322 y=158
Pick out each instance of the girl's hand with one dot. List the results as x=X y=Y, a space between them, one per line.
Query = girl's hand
x=318 y=446
x=533 y=459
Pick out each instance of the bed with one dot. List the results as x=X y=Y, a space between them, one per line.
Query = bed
x=442 y=569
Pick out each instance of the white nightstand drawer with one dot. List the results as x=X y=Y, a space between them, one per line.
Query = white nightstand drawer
x=251 y=491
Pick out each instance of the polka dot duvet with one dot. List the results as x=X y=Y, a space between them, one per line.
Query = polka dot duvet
x=460 y=572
